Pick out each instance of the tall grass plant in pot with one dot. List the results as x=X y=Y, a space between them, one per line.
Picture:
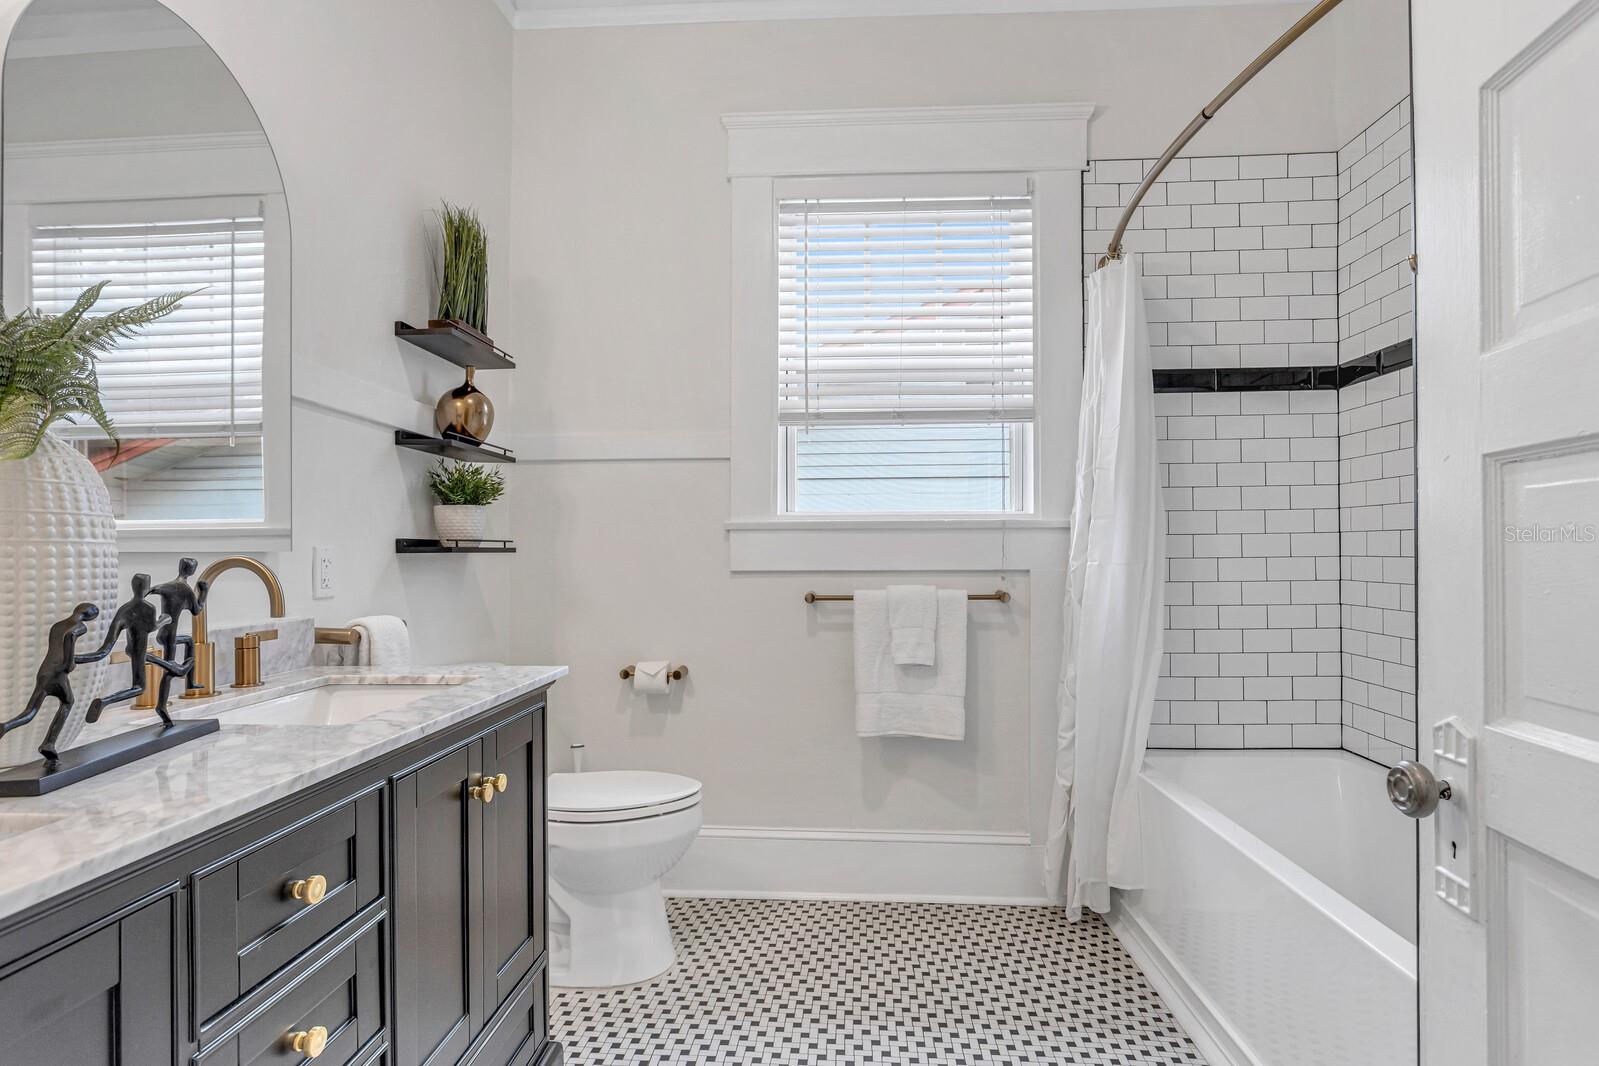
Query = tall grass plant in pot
x=58 y=536
x=464 y=273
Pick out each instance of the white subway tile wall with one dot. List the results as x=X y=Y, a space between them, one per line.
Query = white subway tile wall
x=1375 y=227
x=1377 y=522
x=1252 y=617
x=1240 y=255
x=1290 y=618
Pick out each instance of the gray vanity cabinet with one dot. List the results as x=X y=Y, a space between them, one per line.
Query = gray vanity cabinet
x=469 y=900
x=513 y=857
x=108 y=996
x=393 y=914
x=438 y=908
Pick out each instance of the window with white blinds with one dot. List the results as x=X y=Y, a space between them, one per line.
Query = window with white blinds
x=905 y=352
x=196 y=372
x=187 y=393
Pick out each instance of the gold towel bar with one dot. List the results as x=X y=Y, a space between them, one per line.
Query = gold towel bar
x=1001 y=597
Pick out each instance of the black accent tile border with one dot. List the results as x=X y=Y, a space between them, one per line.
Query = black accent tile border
x=1394 y=357
x=1286 y=378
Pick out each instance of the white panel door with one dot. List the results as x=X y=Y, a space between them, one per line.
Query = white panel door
x=1507 y=221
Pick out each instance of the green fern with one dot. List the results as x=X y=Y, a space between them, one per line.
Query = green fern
x=47 y=365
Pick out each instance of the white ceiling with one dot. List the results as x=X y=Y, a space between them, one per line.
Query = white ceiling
x=536 y=14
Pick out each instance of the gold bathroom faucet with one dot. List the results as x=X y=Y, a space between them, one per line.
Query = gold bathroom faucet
x=205 y=652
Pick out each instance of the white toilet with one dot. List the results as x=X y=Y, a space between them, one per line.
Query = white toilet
x=613 y=835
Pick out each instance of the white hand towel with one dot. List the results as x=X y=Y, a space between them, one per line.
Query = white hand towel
x=910 y=701
x=913 y=623
x=385 y=641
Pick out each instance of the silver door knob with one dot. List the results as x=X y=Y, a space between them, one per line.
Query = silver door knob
x=1414 y=791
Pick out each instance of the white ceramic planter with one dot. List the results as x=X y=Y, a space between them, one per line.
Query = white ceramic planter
x=460 y=521
x=58 y=548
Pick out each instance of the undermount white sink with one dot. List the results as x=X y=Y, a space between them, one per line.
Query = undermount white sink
x=332 y=704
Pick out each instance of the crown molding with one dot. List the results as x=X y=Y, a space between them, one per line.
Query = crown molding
x=91 y=32
x=122 y=146
x=566 y=14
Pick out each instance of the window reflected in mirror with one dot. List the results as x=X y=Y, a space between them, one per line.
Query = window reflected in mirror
x=132 y=157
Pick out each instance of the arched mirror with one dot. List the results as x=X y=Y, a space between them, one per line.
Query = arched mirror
x=133 y=157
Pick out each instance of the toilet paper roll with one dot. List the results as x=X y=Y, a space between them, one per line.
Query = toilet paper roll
x=651 y=677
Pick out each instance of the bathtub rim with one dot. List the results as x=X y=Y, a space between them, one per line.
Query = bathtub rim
x=1391 y=945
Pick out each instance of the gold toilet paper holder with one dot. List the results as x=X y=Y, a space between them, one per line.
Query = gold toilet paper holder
x=677 y=673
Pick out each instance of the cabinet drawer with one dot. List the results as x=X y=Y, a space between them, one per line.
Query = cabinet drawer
x=248 y=923
x=344 y=995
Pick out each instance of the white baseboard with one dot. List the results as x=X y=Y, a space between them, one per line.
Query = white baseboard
x=773 y=863
x=1190 y=1006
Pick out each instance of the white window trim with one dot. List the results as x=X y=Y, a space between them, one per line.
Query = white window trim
x=1046 y=142
x=153 y=168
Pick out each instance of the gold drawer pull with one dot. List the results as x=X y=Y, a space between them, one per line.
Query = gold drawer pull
x=310 y=1042
x=310 y=891
x=501 y=782
x=483 y=791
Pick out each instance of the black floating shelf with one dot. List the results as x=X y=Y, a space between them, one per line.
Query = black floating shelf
x=452 y=447
x=406 y=546
x=459 y=346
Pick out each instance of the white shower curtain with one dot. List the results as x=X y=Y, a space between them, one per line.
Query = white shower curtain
x=1114 y=595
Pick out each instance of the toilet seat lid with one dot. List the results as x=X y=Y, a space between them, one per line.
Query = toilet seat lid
x=619 y=791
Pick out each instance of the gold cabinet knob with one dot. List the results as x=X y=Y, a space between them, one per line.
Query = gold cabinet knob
x=309 y=891
x=309 y=1042
x=501 y=782
x=483 y=791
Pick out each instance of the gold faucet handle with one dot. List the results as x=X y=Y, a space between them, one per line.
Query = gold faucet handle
x=253 y=640
x=247 y=657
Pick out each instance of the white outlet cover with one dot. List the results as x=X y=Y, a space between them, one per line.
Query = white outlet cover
x=322 y=583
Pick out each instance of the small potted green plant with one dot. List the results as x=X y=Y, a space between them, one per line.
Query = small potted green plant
x=462 y=493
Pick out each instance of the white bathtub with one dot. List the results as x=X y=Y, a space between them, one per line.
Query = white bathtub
x=1278 y=915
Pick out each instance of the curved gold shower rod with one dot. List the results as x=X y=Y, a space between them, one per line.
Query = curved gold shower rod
x=1208 y=112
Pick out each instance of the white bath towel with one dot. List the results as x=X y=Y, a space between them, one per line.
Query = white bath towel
x=385 y=641
x=910 y=701
x=913 y=624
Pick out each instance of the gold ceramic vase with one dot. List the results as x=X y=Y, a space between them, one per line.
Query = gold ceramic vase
x=465 y=411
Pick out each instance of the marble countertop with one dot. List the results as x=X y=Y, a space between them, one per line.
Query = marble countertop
x=52 y=844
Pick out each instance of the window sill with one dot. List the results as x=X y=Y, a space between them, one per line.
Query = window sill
x=202 y=539
x=899 y=543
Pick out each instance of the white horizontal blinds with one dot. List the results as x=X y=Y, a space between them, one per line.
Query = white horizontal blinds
x=196 y=372
x=908 y=309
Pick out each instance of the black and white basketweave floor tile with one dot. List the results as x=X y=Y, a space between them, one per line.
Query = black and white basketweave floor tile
x=784 y=983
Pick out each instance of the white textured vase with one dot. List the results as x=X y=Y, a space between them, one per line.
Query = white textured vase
x=459 y=521
x=58 y=548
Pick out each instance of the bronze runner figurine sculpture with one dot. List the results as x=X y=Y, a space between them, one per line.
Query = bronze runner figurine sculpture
x=60 y=657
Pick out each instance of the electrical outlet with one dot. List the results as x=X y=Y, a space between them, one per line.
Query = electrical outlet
x=321 y=573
